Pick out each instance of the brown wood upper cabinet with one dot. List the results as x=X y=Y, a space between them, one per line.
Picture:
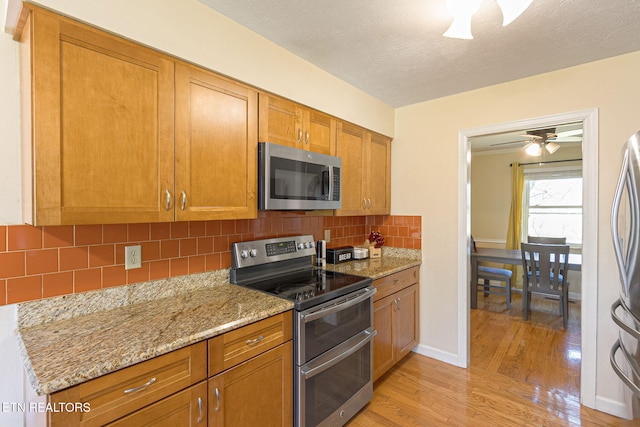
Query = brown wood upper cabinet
x=287 y=123
x=366 y=171
x=99 y=129
x=216 y=147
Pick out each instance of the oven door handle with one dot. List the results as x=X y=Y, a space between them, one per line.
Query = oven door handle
x=312 y=315
x=308 y=372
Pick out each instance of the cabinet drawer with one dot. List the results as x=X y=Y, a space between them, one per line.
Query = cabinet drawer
x=117 y=394
x=393 y=283
x=236 y=346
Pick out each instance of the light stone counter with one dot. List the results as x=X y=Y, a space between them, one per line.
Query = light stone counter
x=391 y=261
x=71 y=339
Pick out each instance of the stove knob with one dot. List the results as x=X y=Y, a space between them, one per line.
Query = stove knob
x=244 y=254
x=300 y=245
x=312 y=244
x=307 y=245
x=253 y=253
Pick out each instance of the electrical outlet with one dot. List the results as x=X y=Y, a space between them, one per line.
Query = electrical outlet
x=327 y=235
x=132 y=257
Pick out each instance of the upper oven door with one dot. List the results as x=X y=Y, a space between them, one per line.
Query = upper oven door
x=293 y=179
x=324 y=326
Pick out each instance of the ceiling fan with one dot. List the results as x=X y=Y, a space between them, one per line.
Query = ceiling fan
x=537 y=141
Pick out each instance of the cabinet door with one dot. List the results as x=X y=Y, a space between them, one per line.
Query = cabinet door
x=258 y=392
x=406 y=321
x=186 y=408
x=320 y=133
x=102 y=116
x=383 y=354
x=378 y=164
x=216 y=147
x=280 y=121
x=350 y=146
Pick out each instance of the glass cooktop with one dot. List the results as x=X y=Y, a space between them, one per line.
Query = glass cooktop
x=311 y=287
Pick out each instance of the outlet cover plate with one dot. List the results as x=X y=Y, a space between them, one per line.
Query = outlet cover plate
x=132 y=257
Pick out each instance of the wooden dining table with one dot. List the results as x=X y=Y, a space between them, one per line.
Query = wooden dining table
x=504 y=256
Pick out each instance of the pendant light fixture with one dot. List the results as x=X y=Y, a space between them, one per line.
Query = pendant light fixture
x=463 y=10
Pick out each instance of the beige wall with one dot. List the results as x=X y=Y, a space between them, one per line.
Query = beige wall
x=425 y=155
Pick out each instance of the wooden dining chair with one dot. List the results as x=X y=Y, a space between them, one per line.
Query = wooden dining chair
x=487 y=273
x=543 y=267
x=547 y=240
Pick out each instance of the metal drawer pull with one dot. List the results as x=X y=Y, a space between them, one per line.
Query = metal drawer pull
x=255 y=340
x=200 y=409
x=217 y=400
x=299 y=135
x=184 y=200
x=141 y=387
x=168 y=193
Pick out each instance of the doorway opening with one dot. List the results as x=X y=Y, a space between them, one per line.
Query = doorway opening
x=588 y=120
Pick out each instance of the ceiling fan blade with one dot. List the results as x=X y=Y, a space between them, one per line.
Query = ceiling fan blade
x=569 y=133
x=568 y=139
x=506 y=143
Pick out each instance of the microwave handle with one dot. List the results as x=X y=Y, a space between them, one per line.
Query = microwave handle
x=328 y=186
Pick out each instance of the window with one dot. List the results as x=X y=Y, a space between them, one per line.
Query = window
x=552 y=204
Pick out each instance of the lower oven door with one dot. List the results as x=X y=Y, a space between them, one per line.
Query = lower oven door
x=333 y=387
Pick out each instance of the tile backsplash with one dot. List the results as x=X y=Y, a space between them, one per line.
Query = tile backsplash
x=41 y=262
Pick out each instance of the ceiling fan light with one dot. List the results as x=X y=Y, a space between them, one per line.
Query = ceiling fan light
x=460 y=28
x=461 y=11
x=533 y=149
x=551 y=147
x=511 y=9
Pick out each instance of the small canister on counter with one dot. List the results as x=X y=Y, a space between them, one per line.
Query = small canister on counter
x=321 y=253
x=339 y=254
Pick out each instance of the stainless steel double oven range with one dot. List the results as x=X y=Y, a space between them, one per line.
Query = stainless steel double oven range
x=333 y=325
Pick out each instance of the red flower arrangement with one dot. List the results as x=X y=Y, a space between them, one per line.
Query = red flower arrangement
x=375 y=238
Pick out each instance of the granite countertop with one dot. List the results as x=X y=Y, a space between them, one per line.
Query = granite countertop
x=63 y=346
x=392 y=261
x=71 y=339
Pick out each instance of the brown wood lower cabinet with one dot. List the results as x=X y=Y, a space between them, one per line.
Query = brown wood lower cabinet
x=395 y=318
x=258 y=392
x=186 y=408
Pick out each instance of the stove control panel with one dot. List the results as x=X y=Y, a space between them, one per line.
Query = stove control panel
x=259 y=252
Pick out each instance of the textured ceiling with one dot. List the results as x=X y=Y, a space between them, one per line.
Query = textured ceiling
x=394 y=49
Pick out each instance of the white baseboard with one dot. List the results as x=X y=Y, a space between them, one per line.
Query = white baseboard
x=437 y=354
x=612 y=407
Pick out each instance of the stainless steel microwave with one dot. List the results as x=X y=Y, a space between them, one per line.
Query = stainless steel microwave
x=293 y=179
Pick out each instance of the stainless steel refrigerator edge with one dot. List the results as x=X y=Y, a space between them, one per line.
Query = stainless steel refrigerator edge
x=625 y=312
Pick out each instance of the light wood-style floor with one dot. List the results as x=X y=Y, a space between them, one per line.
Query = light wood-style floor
x=521 y=374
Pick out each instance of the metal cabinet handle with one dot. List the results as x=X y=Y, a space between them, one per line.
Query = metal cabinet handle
x=184 y=200
x=217 y=408
x=395 y=305
x=364 y=203
x=368 y=203
x=398 y=303
x=255 y=340
x=141 y=387
x=299 y=135
x=199 y=409
x=306 y=139
x=168 y=194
